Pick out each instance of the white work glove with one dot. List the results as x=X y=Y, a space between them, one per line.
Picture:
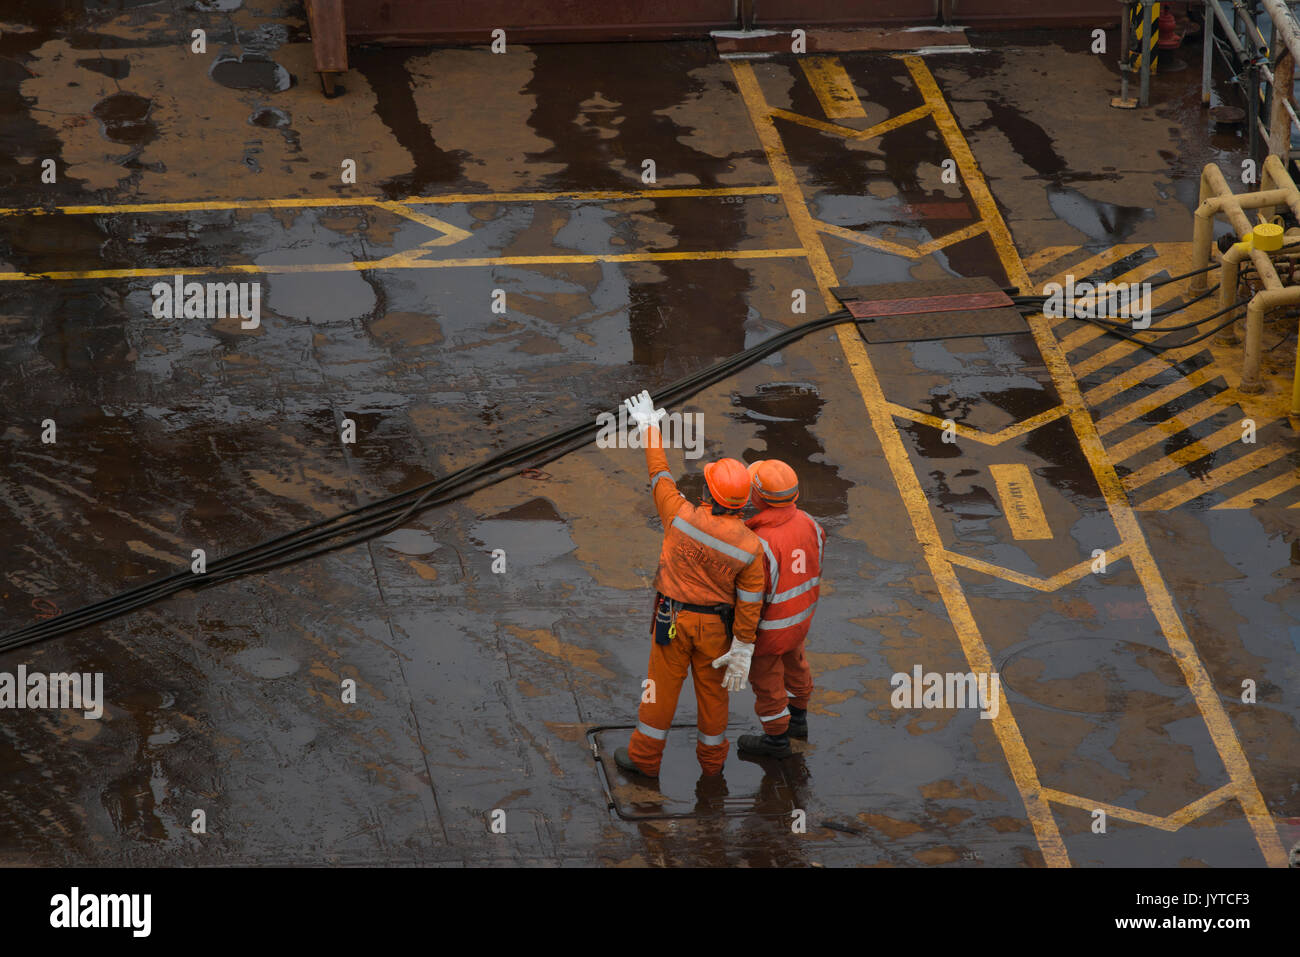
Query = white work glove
x=737 y=661
x=641 y=409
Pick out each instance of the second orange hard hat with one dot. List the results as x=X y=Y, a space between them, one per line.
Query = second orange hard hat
x=774 y=482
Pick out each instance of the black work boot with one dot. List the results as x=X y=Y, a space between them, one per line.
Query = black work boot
x=765 y=745
x=625 y=763
x=798 y=723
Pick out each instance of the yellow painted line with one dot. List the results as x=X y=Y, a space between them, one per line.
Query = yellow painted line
x=406 y=260
x=611 y=195
x=1123 y=381
x=965 y=159
x=1245 y=789
x=1153 y=401
x=1196 y=487
x=1173 y=461
x=985 y=438
x=951 y=239
x=451 y=234
x=1062 y=578
x=1173 y=822
x=865 y=239
x=898 y=249
x=833 y=87
x=1266 y=490
x=1130 y=447
x=871 y=132
x=1020 y=502
x=977 y=654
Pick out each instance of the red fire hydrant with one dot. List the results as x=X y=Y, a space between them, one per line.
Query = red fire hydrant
x=1169 y=40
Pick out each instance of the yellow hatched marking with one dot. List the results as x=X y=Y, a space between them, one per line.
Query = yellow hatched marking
x=975 y=435
x=945 y=578
x=1099 y=261
x=1266 y=490
x=1125 y=380
x=1180 y=818
x=1048 y=254
x=1020 y=502
x=1062 y=578
x=1088 y=332
x=833 y=87
x=1155 y=400
x=1163 y=430
x=1245 y=789
x=1196 y=487
x=1185 y=456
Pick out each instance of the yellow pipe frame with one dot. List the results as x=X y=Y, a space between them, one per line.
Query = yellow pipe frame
x=1276 y=189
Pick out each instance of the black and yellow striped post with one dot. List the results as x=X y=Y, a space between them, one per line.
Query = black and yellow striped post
x=1142 y=52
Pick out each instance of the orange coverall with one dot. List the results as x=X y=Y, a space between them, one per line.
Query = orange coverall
x=706 y=559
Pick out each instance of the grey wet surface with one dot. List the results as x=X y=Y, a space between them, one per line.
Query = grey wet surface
x=476 y=689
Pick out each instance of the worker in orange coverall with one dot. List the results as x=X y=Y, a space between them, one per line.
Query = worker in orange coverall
x=792 y=544
x=709 y=591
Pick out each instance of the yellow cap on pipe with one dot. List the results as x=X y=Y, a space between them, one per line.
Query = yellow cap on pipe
x=1266 y=237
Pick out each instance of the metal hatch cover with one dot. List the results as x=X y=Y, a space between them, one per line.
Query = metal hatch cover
x=939 y=309
x=747 y=787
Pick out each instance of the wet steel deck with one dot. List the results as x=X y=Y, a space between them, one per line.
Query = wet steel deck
x=478 y=691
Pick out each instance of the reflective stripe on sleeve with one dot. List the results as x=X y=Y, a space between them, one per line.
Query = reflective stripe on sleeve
x=771 y=562
x=650 y=732
x=660 y=475
x=749 y=595
x=704 y=538
x=794 y=592
x=711 y=739
x=788 y=622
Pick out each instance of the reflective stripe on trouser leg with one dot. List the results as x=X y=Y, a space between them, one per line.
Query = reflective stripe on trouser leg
x=650 y=732
x=709 y=640
x=784 y=713
x=766 y=675
x=798 y=677
x=666 y=670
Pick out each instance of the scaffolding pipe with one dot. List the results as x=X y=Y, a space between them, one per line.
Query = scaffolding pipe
x=1284 y=114
x=1207 y=53
x=1285 y=27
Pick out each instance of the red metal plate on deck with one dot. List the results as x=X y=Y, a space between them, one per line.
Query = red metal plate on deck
x=863 y=309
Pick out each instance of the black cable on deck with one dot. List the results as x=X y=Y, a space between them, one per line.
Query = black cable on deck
x=386 y=514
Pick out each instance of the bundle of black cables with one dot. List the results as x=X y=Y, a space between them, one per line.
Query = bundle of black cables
x=384 y=515
x=1124 y=330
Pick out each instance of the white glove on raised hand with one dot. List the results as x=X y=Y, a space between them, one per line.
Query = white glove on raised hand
x=641 y=409
x=737 y=661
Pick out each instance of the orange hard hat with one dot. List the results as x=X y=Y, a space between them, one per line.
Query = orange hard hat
x=774 y=482
x=728 y=482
